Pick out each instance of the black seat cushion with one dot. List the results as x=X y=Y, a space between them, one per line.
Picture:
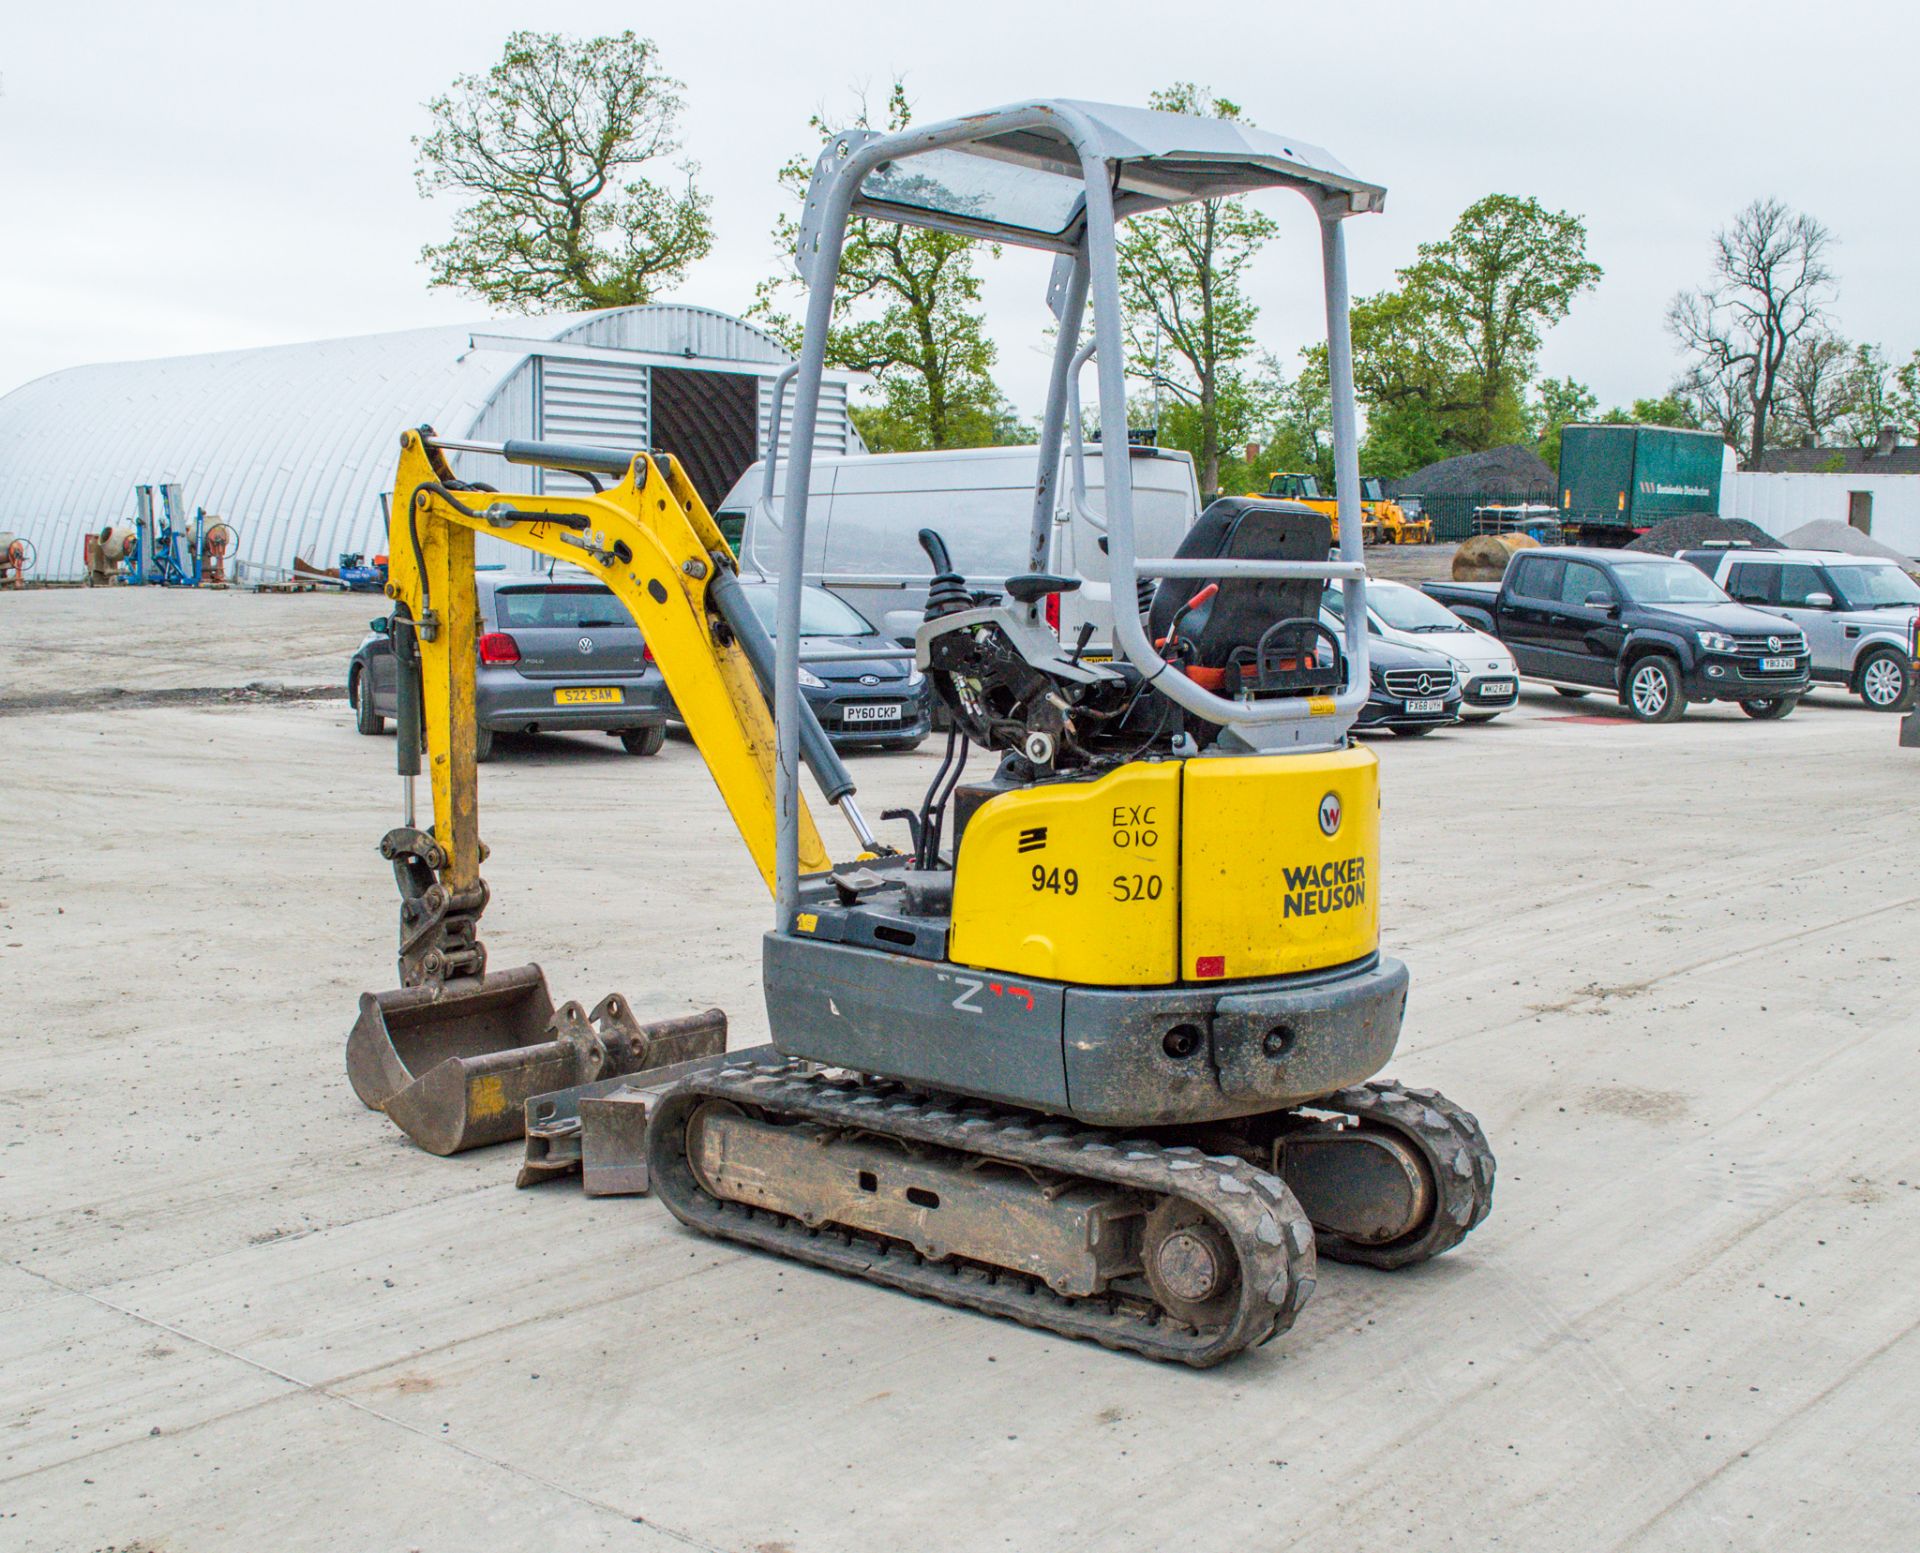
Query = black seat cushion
x=1244 y=528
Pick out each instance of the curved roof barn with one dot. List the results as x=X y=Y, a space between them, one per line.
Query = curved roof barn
x=295 y=445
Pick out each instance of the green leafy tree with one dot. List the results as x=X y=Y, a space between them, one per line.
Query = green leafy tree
x=548 y=146
x=1402 y=438
x=1187 y=316
x=1408 y=379
x=1443 y=362
x=1870 y=397
x=1508 y=271
x=1562 y=402
x=907 y=312
x=1256 y=407
x=1667 y=410
x=1302 y=423
x=1906 y=396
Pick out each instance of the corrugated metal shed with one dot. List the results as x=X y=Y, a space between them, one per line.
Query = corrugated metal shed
x=295 y=444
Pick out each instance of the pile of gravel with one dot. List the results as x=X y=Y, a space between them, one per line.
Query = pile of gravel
x=1508 y=471
x=1700 y=530
x=1831 y=534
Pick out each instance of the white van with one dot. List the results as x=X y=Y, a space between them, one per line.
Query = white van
x=866 y=512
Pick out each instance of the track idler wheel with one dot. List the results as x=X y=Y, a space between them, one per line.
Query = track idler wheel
x=1393 y=1177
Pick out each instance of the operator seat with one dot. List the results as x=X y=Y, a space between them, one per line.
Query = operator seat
x=1225 y=632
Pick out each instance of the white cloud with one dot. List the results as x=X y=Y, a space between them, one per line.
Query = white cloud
x=219 y=175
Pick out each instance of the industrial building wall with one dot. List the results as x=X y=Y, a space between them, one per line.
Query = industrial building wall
x=292 y=444
x=1780 y=503
x=834 y=432
x=295 y=445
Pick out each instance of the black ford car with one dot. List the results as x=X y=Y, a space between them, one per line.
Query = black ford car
x=1652 y=630
x=877 y=703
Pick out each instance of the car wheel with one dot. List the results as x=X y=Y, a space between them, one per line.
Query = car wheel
x=644 y=741
x=365 y=718
x=1769 y=709
x=1886 y=681
x=482 y=745
x=1416 y=730
x=1571 y=695
x=1653 y=693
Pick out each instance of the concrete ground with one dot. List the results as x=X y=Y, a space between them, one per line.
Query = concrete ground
x=1670 y=968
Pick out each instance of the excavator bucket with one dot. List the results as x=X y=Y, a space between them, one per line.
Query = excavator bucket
x=441 y=1060
x=454 y=1066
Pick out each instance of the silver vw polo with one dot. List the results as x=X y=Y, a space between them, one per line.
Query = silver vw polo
x=556 y=656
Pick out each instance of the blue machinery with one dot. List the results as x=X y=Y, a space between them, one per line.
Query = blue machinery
x=171 y=553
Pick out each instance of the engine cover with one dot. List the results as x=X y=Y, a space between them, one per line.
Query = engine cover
x=1209 y=869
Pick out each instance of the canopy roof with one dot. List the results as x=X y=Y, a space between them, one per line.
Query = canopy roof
x=1021 y=183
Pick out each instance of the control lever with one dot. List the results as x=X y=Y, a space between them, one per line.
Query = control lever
x=947 y=594
x=913 y=824
x=1173 y=626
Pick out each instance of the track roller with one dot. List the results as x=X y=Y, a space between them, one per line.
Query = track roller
x=1165 y=1251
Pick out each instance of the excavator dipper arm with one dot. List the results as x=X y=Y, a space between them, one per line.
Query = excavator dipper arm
x=457 y=1054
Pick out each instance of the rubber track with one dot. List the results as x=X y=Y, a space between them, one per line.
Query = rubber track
x=1457 y=1155
x=1264 y=1223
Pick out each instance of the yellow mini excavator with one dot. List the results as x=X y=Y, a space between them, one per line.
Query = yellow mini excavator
x=1092 y=1044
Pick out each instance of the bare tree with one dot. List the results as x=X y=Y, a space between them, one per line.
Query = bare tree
x=1770 y=286
x=1716 y=399
x=1816 y=388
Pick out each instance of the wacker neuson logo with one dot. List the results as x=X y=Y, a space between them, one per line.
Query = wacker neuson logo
x=1321 y=888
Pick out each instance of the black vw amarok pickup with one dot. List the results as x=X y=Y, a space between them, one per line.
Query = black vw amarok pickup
x=1637 y=626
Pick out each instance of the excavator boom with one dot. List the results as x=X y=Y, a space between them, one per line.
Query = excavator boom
x=650 y=539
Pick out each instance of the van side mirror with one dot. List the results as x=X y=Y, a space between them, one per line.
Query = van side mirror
x=1819 y=601
x=381 y=626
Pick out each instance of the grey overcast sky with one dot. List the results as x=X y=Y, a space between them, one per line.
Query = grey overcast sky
x=210 y=175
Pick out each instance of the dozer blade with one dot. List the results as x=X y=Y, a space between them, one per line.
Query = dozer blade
x=454 y=1066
